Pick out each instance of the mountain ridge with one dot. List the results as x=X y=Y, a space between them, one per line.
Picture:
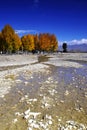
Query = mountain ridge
x=75 y=48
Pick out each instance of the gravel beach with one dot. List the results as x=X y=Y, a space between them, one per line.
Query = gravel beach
x=43 y=92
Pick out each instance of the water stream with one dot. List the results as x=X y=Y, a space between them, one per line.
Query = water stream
x=58 y=92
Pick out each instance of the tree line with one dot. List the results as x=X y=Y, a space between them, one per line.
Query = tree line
x=11 y=42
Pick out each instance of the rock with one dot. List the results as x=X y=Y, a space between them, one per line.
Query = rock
x=27 y=112
x=34 y=114
x=86 y=94
x=61 y=101
x=50 y=122
x=32 y=77
x=59 y=120
x=71 y=122
x=18 y=114
x=3 y=96
x=26 y=96
x=66 y=92
x=36 y=126
x=52 y=92
x=18 y=81
x=44 y=126
x=29 y=128
x=15 y=120
x=26 y=83
x=48 y=117
x=33 y=100
x=30 y=121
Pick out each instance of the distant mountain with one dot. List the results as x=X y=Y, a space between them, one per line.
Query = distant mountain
x=76 y=48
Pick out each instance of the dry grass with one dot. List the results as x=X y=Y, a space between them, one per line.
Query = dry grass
x=10 y=76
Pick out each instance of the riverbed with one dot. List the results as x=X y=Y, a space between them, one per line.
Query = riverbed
x=47 y=92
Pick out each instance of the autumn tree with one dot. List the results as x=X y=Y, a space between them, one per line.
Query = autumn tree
x=28 y=42
x=53 y=42
x=10 y=39
x=11 y=42
x=7 y=34
x=16 y=43
x=64 y=46
x=47 y=42
x=2 y=46
x=36 y=41
x=43 y=42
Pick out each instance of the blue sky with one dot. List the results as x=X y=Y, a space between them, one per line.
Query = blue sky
x=67 y=19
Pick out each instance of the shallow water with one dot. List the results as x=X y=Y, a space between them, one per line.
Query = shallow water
x=60 y=93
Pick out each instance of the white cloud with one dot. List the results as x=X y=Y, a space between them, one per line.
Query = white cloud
x=72 y=42
x=81 y=41
x=25 y=31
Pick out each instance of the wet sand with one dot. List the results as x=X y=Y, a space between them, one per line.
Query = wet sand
x=50 y=95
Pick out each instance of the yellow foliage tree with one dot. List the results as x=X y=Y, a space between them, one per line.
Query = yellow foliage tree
x=8 y=33
x=54 y=43
x=16 y=43
x=28 y=42
x=11 y=40
x=1 y=43
x=36 y=42
x=48 y=42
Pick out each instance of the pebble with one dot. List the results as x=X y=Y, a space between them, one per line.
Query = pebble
x=18 y=81
x=86 y=94
x=59 y=119
x=15 y=120
x=33 y=125
x=66 y=92
x=61 y=101
x=33 y=100
x=46 y=104
x=19 y=92
x=31 y=120
x=52 y=92
x=32 y=77
x=26 y=96
x=3 y=96
x=27 y=112
x=29 y=128
x=26 y=116
x=76 y=86
x=49 y=117
x=71 y=122
x=50 y=122
x=26 y=83
x=18 y=114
